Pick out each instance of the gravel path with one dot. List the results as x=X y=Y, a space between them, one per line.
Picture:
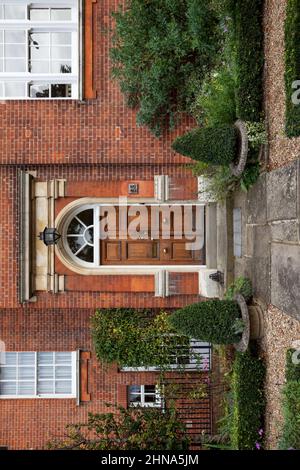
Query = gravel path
x=282 y=149
x=280 y=332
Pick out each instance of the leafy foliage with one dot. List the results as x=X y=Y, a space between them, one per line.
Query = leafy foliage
x=290 y=437
x=212 y=145
x=159 y=46
x=214 y=104
x=127 y=429
x=247 y=386
x=134 y=338
x=213 y=321
x=242 y=286
x=292 y=65
x=249 y=59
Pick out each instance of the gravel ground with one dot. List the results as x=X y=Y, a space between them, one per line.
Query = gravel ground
x=280 y=332
x=282 y=149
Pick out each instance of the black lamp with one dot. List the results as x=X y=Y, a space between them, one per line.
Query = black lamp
x=49 y=236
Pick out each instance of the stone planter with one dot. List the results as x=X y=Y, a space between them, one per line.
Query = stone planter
x=238 y=169
x=254 y=323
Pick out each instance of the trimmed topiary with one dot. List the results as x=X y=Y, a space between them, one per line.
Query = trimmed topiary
x=214 y=321
x=213 y=145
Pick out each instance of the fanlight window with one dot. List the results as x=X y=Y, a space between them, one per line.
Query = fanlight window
x=80 y=235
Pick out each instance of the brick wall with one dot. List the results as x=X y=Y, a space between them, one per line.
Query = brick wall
x=93 y=141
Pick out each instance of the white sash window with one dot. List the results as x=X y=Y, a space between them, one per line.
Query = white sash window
x=38 y=375
x=146 y=396
x=39 y=49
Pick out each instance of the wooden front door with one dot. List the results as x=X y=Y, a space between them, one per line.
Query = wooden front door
x=151 y=246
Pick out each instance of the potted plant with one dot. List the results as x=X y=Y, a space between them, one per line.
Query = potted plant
x=220 y=322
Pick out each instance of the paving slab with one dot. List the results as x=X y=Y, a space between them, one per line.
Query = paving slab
x=256 y=207
x=282 y=193
x=285 y=278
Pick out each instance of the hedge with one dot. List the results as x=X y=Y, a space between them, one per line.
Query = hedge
x=211 y=321
x=292 y=66
x=249 y=57
x=212 y=145
x=290 y=438
x=248 y=401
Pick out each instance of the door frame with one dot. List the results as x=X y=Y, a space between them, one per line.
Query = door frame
x=62 y=221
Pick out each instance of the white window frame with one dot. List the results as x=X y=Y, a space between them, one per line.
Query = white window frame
x=26 y=25
x=36 y=395
x=143 y=404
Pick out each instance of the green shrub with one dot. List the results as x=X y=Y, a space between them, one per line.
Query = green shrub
x=247 y=386
x=290 y=437
x=292 y=65
x=242 y=286
x=249 y=58
x=213 y=321
x=213 y=145
x=292 y=371
x=134 y=338
x=215 y=102
x=159 y=46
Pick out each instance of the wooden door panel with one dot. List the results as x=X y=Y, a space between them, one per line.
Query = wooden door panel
x=113 y=251
x=142 y=250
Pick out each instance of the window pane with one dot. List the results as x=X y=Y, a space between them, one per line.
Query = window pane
x=61 y=52
x=63 y=357
x=15 y=50
x=150 y=389
x=61 y=14
x=62 y=66
x=39 y=52
x=10 y=358
x=26 y=373
x=39 y=91
x=26 y=358
x=63 y=372
x=45 y=358
x=39 y=14
x=26 y=388
x=14 y=89
x=1 y=88
x=39 y=66
x=87 y=217
x=150 y=399
x=45 y=387
x=39 y=39
x=61 y=38
x=1 y=35
x=14 y=12
x=15 y=65
x=134 y=389
x=63 y=387
x=8 y=373
x=8 y=388
x=14 y=37
x=45 y=372
x=87 y=254
x=76 y=227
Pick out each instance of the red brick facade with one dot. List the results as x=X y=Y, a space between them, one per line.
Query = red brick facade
x=86 y=144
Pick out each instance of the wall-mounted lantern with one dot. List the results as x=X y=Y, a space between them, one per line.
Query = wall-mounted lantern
x=49 y=236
